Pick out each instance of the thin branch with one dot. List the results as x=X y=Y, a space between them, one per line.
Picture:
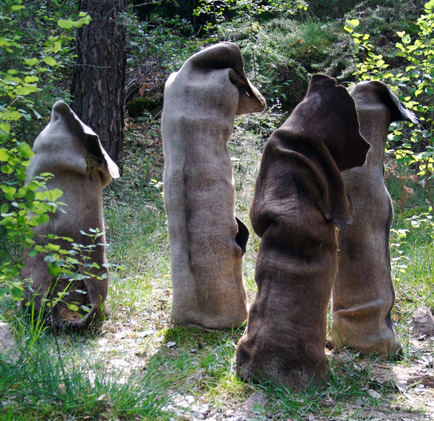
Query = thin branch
x=91 y=65
x=146 y=4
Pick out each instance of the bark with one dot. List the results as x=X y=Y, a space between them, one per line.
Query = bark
x=99 y=74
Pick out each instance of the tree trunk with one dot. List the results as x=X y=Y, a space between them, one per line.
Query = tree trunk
x=99 y=74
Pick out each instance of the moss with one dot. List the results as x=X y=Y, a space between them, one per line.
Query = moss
x=140 y=105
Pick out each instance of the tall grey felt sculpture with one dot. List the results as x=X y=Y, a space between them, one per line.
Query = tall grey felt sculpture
x=299 y=201
x=363 y=294
x=73 y=153
x=206 y=239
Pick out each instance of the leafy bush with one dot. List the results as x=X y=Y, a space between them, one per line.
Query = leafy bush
x=220 y=11
x=414 y=79
x=281 y=54
x=156 y=47
x=24 y=68
x=325 y=9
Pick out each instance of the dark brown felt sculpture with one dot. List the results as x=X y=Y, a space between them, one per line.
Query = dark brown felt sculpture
x=363 y=293
x=72 y=152
x=206 y=240
x=299 y=200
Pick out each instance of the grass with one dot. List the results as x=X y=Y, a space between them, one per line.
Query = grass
x=43 y=385
x=138 y=365
x=349 y=383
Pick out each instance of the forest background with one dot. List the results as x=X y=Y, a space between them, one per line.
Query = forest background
x=137 y=364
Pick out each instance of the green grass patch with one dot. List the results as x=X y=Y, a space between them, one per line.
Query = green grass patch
x=43 y=384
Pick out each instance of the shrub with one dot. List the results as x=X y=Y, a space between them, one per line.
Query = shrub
x=24 y=68
x=413 y=78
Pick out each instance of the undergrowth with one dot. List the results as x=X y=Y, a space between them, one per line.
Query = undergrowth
x=42 y=384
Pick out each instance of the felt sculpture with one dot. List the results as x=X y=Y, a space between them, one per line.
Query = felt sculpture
x=72 y=152
x=363 y=293
x=206 y=240
x=299 y=200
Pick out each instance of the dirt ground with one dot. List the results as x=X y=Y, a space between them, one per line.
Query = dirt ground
x=413 y=398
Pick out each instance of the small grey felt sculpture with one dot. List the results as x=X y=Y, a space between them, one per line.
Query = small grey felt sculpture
x=299 y=201
x=363 y=294
x=206 y=239
x=72 y=152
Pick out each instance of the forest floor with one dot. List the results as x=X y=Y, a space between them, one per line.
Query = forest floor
x=193 y=369
x=200 y=364
x=205 y=388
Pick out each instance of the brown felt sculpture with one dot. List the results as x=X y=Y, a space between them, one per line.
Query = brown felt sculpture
x=363 y=293
x=206 y=240
x=72 y=152
x=299 y=200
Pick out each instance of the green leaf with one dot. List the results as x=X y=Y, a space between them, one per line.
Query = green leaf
x=50 y=61
x=7 y=169
x=31 y=61
x=25 y=150
x=8 y=191
x=65 y=23
x=26 y=90
x=430 y=5
x=406 y=39
x=32 y=253
x=400 y=46
x=5 y=129
x=57 y=46
x=69 y=23
x=84 y=19
x=353 y=22
x=26 y=116
x=37 y=115
x=4 y=42
x=33 y=186
x=55 y=271
x=17 y=293
x=4 y=155
x=40 y=195
x=31 y=79
x=43 y=219
x=50 y=259
x=53 y=195
x=11 y=115
x=52 y=247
